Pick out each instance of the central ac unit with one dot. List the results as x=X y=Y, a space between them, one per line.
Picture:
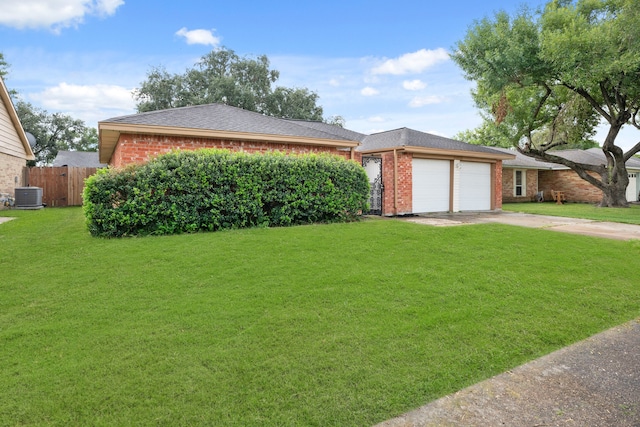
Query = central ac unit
x=28 y=198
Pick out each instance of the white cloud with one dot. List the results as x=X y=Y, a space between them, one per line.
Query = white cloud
x=334 y=82
x=413 y=85
x=420 y=101
x=414 y=63
x=53 y=14
x=90 y=103
x=369 y=91
x=376 y=119
x=204 y=37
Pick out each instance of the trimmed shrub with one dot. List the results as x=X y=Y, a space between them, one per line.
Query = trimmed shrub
x=190 y=191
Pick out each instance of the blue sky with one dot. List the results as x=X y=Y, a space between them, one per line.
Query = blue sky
x=379 y=64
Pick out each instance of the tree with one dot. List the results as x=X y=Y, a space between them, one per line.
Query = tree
x=546 y=80
x=224 y=77
x=4 y=66
x=54 y=132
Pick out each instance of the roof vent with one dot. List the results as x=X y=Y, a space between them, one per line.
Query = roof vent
x=28 y=198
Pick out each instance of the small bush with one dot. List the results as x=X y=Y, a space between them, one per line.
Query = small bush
x=189 y=191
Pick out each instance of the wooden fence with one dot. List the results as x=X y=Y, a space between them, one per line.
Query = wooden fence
x=61 y=186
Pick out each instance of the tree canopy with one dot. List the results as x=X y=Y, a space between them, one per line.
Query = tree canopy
x=546 y=80
x=52 y=131
x=3 y=66
x=55 y=132
x=224 y=77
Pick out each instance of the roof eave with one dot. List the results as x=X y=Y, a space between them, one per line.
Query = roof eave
x=530 y=167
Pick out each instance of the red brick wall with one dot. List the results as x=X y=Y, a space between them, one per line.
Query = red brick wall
x=405 y=184
x=132 y=148
x=496 y=169
x=531 y=180
x=575 y=188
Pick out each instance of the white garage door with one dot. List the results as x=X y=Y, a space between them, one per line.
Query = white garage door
x=475 y=186
x=632 y=188
x=431 y=185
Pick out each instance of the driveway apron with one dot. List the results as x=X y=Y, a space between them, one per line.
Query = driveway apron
x=608 y=230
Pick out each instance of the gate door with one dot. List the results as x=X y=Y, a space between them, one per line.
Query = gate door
x=373 y=167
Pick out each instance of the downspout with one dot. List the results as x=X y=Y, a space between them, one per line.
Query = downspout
x=395 y=182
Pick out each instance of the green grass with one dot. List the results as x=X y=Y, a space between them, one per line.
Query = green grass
x=629 y=215
x=327 y=325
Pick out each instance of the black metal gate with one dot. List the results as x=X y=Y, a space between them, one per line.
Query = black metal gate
x=373 y=167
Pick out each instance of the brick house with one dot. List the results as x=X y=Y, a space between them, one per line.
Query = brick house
x=523 y=177
x=421 y=172
x=14 y=147
x=138 y=137
x=410 y=171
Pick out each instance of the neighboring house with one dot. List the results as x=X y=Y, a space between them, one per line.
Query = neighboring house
x=14 y=147
x=523 y=177
x=411 y=171
x=78 y=159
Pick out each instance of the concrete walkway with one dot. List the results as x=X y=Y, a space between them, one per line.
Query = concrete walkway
x=595 y=382
x=609 y=230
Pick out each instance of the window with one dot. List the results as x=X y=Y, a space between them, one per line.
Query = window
x=519 y=183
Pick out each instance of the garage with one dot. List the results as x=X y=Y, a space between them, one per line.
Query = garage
x=425 y=173
x=431 y=185
x=475 y=186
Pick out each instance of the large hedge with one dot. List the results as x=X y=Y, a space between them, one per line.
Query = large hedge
x=189 y=191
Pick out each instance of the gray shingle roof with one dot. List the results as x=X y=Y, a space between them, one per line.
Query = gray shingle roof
x=331 y=129
x=222 y=117
x=592 y=156
x=633 y=162
x=82 y=159
x=522 y=161
x=405 y=137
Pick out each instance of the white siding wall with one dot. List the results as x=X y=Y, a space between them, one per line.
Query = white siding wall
x=9 y=140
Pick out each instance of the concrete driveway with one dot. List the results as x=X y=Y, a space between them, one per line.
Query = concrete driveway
x=609 y=230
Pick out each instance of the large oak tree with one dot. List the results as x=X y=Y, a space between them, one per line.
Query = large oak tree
x=224 y=77
x=548 y=79
x=54 y=132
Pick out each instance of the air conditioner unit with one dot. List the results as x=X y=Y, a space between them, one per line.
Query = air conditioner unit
x=28 y=198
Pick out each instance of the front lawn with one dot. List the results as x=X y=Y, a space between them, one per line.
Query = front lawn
x=629 y=215
x=325 y=325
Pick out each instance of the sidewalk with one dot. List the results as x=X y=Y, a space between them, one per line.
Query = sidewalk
x=595 y=382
